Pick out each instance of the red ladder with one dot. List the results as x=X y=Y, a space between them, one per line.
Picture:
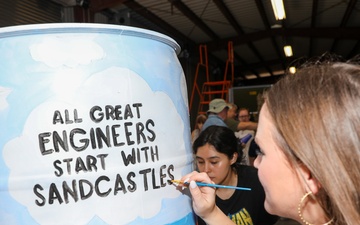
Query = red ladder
x=212 y=89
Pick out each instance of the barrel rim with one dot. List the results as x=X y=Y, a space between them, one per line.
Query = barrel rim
x=53 y=28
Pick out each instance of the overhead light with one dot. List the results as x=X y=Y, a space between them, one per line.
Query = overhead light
x=278 y=72
x=276 y=26
x=279 y=10
x=267 y=74
x=288 y=50
x=251 y=76
x=292 y=69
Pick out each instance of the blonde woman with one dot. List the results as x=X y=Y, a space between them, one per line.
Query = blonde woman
x=309 y=159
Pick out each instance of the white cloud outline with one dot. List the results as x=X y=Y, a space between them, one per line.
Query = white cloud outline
x=64 y=50
x=114 y=82
x=4 y=92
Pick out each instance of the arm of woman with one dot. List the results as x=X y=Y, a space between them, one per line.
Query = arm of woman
x=203 y=200
x=247 y=126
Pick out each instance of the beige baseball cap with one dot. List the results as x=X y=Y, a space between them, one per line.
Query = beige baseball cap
x=217 y=105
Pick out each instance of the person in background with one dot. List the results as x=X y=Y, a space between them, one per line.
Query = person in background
x=233 y=123
x=217 y=113
x=217 y=153
x=309 y=156
x=232 y=112
x=199 y=122
x=244 y=116
x=238 y=127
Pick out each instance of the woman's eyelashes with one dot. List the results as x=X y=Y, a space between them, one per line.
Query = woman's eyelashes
x=259 y=152
x=200 y=162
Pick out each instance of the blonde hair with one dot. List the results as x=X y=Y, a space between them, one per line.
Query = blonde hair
x=316 y=113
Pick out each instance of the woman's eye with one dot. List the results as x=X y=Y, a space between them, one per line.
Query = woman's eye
x=259 y=152
x=213 y=163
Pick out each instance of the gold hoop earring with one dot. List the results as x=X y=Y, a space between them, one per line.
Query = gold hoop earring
x=300 y=214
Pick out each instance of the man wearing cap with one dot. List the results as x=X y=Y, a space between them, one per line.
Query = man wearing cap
x=217 y=113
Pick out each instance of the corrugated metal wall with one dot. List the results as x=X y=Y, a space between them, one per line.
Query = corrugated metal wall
x=68 y=15
x=101 y=18
x=18 y=12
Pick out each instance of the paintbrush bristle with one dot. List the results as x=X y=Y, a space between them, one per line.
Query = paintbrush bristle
x=175 y=182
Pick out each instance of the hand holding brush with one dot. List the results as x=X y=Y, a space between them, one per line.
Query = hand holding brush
x=201 y=184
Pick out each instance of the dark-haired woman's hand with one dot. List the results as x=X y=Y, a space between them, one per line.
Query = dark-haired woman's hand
x=203 y=199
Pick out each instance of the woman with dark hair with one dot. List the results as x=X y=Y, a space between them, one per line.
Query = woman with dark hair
x=218 y=153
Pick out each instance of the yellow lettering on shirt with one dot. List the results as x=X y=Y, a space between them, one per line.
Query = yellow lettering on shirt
x=241 y=218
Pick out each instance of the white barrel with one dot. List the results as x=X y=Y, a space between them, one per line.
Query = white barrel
x=93 y=123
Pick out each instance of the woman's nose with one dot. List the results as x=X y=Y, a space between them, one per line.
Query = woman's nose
x=207 y=167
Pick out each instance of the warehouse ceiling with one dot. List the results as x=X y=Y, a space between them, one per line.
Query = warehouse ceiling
x=311 y=27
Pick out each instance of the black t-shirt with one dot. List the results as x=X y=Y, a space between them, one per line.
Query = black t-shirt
x=246 y=207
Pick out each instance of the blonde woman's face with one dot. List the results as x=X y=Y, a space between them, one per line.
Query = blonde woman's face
x=281 y=184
